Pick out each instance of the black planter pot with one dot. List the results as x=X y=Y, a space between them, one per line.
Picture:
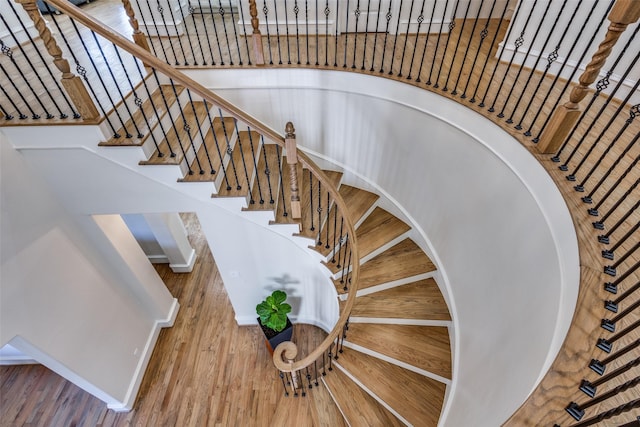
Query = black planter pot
x=273 y=338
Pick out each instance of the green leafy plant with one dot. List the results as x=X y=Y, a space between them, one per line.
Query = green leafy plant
x=273 y=311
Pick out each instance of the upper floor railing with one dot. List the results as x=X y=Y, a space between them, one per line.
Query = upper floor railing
x=520 y=64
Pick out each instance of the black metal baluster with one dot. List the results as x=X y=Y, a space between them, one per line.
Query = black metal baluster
x=406 y=38
x=173 y=19
x=284 y=202
x=185 y=126
x=199 y=130
x=604 y=239
x=613 y=286
x=395 y=40
x=265 y=10
x=5 y=113
x=610 y=252
x=215 y=140
x=335 y=232
x=275 y=11
x=330 y=356
x=346 y=35
x=613 y=305
x=426 y=42
x=166 y=106
x=311 y=211
x=570 y=79
x=600 y=86
x=296 y=10
x=195 y=27
x=244 y=163
x=487 y=57
x=388 y=17
x=246 y=38
x=452 y=25
x=335 y=355
x=415 y=43
x=319 y=214
x=340 y=242
x=186 y=31
x=229 y=152
x=284 y=385
x=153 y=45
x=267 y=171
x=524 y=61
x=309 y=378
x=635 y=110
x=483 y=35
x=375 y=37
x=327 y=11
x=606 y=344
x=306 y=26
x=344 y=279
x=317 y=41
x=612 y=270
x=293 y=385
x=286 y=26
x=366 y=34
x=455 y=51
x=235 y=33
x=633 y=113
x=137 y=99
x=610 y=324
x=215 y=31
x=221 y=12
x=327 y=223
x=324 y=364
x=155 y=109
x=164 y=23
x=34 y=115
x=115 y=81
x=576 y=410
x=315 y=368
x=435 y=51
x=355 y=36
x=206 y=35
x=594 y=211
x=599 y=367
x=551 y=58
x=255 y=166
x=44 y=63
x=517 y=44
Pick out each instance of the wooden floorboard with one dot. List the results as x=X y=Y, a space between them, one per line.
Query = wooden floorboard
x=204 y=371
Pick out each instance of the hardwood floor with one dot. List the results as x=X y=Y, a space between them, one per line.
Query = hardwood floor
x=204 y=371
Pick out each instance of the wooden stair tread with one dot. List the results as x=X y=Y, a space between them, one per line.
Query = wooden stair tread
x=416 y=300
x=402 y=260
x=266 y=186
x=152 y=108
x=358 y=201
x=311 y=218
x=240 y=167
x=415 y=397
x=214 y=140
x=357 y=406
x=425 y=347
x=192 y=119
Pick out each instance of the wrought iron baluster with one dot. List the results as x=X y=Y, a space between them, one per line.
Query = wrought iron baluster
x=267 y=171
x=155 y=109
x=355 y=36
x=185 y=126
x=346 y=35
x=199 y=130
x=406 y=38
x=610 y=413
x=609 y=253
x=435 y=51
x=319 y=214
x=317 y=41
x=452 y=25
x=173 y=19
x=275 y=11
x=327 y=224
x=375 y=37
x=340 y=242
x=613 y=286
x=246 y=38
x=327 y=11
x=166 y=106
x=207 y=38
x=335 y=38
x=600 y=366
x=34 y=115
x=388 y=17
x=315 y=368
x=229 y=152
x=366 y=34
x=311 y=199
x=613 y=305
x=286 y=26
x=265 y=10
x=517 y=44
x=5 y=113
x=335 y=232
x=235 y=33
x=455 y=51
x=594 y=211
x=284 y=203
x=137 y=99
x=186 y=31
x=344 y=277
x=395 y=40
x=284 y=385
x=483 y=35
x=164 y=23
x=426 y=43
x=296 y=10
x=466 y=52
x=244 y=163
x=604 y=239
x=151 y=42
x=215 y=141
x=215 y=31
x=255 y=166
x=612 y=270
x=330 y=356
x=221 y=12
x=306 y=26
x=308 y=377
x=420 y=19
x=195 y=27
x=576 y=410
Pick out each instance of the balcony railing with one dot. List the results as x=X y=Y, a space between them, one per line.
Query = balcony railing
x=561 y=77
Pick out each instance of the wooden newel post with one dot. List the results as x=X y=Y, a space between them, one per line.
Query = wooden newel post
x=73 y=84
x=292 y=161
x=139 y=37
x=256 y=37
x=623 y=13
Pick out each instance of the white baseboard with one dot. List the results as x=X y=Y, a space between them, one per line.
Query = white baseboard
x=187 y=267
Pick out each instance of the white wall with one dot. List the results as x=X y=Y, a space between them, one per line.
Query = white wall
x=499 y=230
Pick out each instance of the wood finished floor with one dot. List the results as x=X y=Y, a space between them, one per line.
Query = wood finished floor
x=204 y=371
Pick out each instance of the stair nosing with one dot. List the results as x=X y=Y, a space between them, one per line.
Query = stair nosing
x=400 y=321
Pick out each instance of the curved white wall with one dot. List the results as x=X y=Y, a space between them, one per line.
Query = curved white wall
x=499 y=229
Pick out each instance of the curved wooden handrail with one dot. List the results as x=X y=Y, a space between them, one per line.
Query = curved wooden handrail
x=284 y=349
x=280 y=359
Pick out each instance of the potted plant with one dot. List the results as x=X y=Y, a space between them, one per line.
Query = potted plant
x=273 y=319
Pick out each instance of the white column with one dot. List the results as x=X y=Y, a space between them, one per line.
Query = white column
x=172 y=238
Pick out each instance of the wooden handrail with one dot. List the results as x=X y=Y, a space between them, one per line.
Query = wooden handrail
x=284 y=349
x=280 y=356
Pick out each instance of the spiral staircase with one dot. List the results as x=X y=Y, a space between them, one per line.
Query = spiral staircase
x=394 y=362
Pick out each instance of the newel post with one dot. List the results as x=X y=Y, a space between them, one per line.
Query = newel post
x=72 y=83
x=292 y=161
x=623 y=13
x=139 y=37
x=256 y=37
